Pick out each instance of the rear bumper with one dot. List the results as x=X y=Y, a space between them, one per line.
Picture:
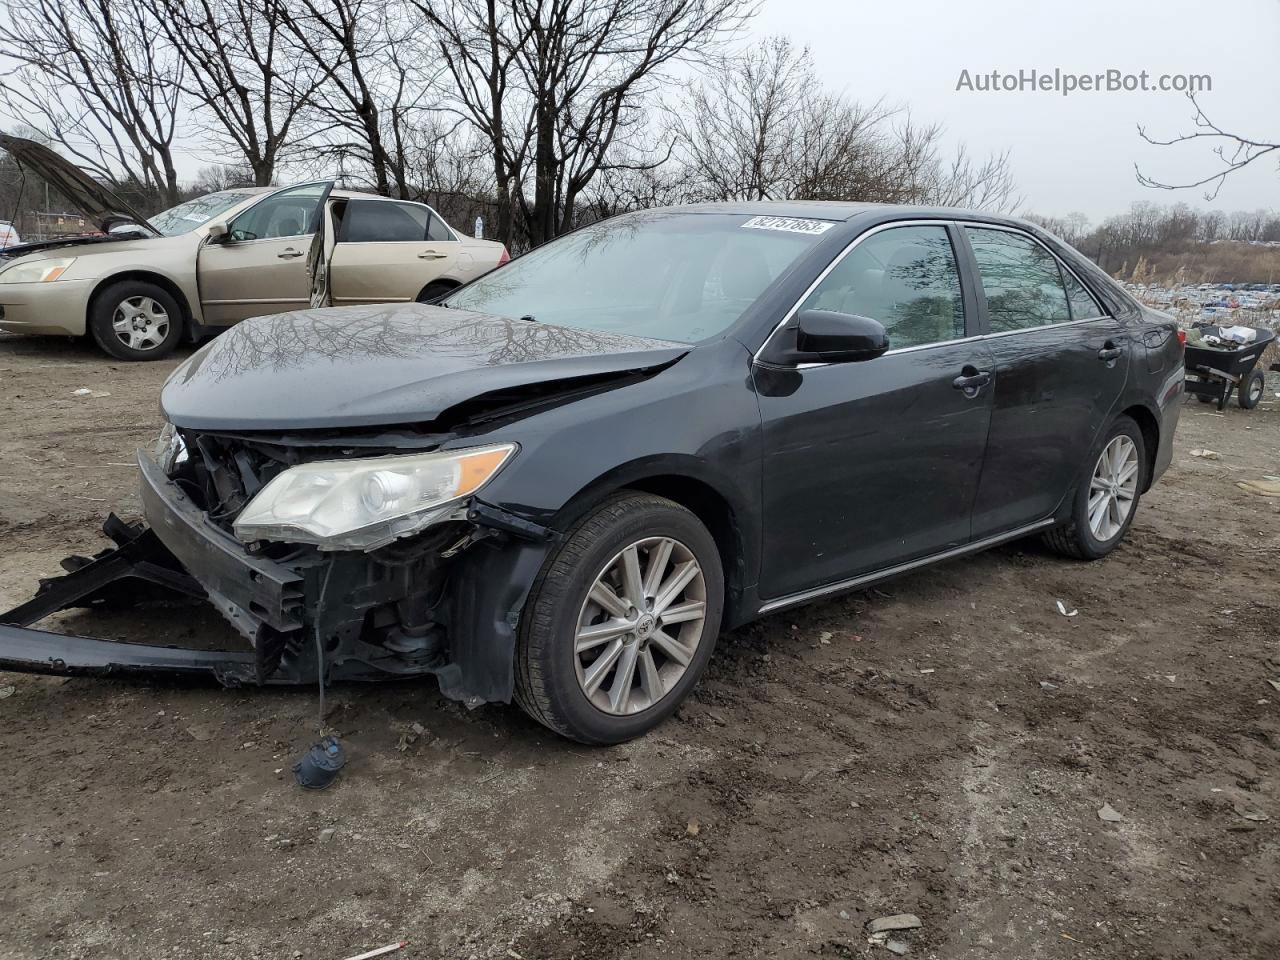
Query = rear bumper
x=58 y=308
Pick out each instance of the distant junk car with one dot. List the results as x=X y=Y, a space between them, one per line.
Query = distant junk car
x=563 y=482
x=141 y=285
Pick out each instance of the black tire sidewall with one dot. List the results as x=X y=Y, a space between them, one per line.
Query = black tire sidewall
x=434 y=290
x=576 y=714
x=1092 y=547
x=103 y=310
x=1244 y=394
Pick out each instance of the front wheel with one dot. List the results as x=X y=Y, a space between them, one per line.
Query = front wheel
x=1107 y=497
x=622 y=622
x=135 y=320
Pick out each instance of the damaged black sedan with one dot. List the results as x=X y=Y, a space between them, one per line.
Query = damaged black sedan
x=559 y=485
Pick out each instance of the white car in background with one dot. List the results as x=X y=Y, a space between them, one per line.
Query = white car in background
x=8 y=235
x=145 y=284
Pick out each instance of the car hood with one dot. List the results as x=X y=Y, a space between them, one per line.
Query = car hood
x=89 y=197
x=391 y=364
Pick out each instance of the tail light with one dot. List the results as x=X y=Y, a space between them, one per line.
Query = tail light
x=1182 y=336
x=504 y=257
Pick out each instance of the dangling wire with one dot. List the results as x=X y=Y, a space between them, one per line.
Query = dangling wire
x=320 y=675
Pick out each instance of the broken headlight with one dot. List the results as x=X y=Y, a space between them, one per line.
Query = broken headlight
x=169 y=451
x=365 y=504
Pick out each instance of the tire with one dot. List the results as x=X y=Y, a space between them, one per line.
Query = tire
x=1078 y=538
x=150 y=315
x=552 y=675
x=436 y=289
x=1204 y=399
x=1250 y=392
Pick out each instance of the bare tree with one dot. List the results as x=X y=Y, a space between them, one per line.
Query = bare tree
x=375 y=89
x=557 y=87
x=241 y=73
x=761 y=126
x=1233 y=151
x=96 y=78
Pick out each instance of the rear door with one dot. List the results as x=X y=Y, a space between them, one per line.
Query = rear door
x=388 y=251
x=1060 y=366
x=261 y=266
x=875 y=463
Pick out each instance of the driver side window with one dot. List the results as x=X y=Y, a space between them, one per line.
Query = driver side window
x=904 y=277
x=288 y=213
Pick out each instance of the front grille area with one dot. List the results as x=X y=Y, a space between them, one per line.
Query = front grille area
x=222 y=474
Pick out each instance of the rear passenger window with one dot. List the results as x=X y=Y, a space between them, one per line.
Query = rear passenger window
x=437 y=231
x=1021 y=280
x=1083 y=306
x=383 y=221
x=906 y=278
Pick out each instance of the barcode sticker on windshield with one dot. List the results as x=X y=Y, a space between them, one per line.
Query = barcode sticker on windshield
x=789 y=224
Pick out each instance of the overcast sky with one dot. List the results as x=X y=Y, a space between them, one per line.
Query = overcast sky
x=1077 y=152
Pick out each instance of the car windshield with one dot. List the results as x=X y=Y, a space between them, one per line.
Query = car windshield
x=682 y=277
x=185 y=217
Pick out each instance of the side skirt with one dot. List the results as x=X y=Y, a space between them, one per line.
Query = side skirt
x=876 y=576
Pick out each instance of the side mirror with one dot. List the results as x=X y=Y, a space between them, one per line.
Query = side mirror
x=831 y=337
x=218 y=232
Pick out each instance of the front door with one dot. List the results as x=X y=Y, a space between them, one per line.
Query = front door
x=871 y=464
x=261 y=265
x=387 y=251
x=1060 y=368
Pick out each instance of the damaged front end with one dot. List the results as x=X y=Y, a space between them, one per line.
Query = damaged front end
x=443 y=599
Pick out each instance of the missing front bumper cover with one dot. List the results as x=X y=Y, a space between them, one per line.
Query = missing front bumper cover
x=275 y=605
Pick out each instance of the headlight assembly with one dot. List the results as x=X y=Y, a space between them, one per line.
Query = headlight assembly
x=36 y=271
x=365 y=504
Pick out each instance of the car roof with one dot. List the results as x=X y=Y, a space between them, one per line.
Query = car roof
x=839 y=210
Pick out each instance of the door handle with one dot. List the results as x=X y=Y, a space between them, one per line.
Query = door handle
x=1109 y=352
x=971 y=382
x=289 y=254
x=431 y=255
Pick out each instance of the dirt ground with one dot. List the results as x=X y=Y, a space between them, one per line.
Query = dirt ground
x=939 y=746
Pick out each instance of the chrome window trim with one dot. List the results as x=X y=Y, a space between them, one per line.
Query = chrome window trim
x=931 y=222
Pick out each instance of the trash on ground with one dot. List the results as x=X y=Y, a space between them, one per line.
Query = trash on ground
x=389 y=948
x=693 y=829
x=1263 y=488
x=1110 y=814
x=86 y=392
x=899 y=921
x=824 y=638
x=1046 y=685
x=1255 y=816
x=1204 y=454
x=320 y=766
x=1062 y=609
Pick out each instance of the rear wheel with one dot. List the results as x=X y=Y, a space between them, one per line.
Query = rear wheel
x=135 y=320
x=436 y=290
x=1251 y=390
x=1107 y=498
x=622 y=621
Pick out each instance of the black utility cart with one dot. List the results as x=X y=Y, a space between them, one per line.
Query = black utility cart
x=1213 y=374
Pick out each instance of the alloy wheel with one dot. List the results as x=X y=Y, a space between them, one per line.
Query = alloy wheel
x=140 y=323
x=1113 y=488
x=640 y=625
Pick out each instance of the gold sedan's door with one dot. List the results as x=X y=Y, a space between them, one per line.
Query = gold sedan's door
x=388 y=251
x=260 y=267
